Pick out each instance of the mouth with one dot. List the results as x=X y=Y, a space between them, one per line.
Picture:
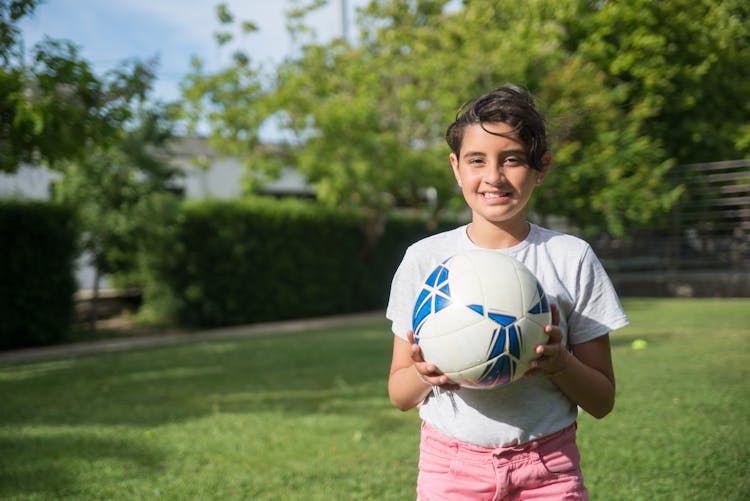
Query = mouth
x=496 y=195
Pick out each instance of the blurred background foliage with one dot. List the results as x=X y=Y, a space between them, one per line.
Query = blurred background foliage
x=629 y=90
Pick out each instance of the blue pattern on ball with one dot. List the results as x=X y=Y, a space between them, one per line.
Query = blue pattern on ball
x=542 y=306
x=503 y=368
x=507 y=339
x=434 y=296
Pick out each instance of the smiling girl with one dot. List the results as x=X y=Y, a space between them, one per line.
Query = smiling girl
x=515 y=441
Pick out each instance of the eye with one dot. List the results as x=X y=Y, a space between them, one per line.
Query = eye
x=476 y=161
x=513 y=161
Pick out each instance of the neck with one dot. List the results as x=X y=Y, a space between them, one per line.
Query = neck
x=495 y=236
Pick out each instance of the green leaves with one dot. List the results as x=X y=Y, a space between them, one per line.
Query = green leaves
x=629 y=89
x=681 y=64
x=52 y=105
x=223 y=14
x=115 y=188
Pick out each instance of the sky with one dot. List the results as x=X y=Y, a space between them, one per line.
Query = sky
x=110 y=31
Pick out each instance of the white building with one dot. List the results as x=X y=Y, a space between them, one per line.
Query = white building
x=221 y=179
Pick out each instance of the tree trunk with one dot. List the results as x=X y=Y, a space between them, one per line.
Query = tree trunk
x=94 y=309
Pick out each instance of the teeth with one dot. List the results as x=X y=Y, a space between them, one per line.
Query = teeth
x=494 y=195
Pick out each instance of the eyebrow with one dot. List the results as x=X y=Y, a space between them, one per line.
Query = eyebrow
x=504 y=152
x=474 y=154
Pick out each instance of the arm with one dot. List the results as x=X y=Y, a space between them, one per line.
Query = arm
x=411 y=378
x=585 y=374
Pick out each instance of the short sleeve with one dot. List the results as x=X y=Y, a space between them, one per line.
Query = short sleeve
x=597 y=309
x=403 y=287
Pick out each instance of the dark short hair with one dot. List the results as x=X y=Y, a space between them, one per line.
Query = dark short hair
x=509 y=104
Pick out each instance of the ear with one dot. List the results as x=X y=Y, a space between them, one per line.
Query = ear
x=454 y=165
x=546 y=162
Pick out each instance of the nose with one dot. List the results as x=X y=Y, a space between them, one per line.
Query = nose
x=494 y=174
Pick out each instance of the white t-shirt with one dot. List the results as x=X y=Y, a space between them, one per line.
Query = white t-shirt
x=530 y=408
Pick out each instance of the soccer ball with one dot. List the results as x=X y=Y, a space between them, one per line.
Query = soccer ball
x=479 y=317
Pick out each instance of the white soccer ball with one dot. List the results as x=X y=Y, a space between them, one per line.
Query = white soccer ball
x=479 y=317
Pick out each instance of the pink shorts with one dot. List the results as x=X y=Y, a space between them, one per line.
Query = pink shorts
x=548 y=468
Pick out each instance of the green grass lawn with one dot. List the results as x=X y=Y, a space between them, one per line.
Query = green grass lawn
x=306 y=416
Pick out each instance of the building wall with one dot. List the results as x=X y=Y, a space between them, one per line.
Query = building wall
x=222 y=179
x=28 y=182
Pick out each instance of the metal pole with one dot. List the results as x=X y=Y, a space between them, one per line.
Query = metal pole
x=345 y=20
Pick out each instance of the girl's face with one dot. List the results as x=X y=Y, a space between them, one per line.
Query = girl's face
x=494 y=175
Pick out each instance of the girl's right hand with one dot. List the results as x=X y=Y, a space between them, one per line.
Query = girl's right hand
x=427 y=371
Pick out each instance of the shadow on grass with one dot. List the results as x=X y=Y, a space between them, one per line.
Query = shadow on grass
x=335 y=371
x=51 y=410
x=49 y=465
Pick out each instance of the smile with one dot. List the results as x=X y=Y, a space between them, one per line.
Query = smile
x=495 y=195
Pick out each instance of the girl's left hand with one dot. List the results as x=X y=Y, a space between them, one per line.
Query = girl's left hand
x=553 y=356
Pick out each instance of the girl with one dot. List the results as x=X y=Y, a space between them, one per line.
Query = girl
x=515 y=441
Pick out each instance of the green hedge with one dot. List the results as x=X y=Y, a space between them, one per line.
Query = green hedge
x=38 y=249
x=232 y=262
x=219 y=263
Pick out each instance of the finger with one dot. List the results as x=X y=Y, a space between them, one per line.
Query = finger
x=547 y=351
x=553 y=330
x=547 y=361
x=436 y=379
x=432 y=375
x=451 y=386
x=416 y=352
x=555 y=314
x=533 y=369
x=444 y=382
x=428 y=370
x=410 y=337
x=554 y=334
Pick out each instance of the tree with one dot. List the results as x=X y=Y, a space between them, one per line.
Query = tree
x=115 y=190
x=53 y=106
x=100 y=131
x=360 y=124
x=365 y=120
x=683 y=67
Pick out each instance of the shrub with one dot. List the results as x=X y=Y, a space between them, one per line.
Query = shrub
x=38 y=248
x=235 y=262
